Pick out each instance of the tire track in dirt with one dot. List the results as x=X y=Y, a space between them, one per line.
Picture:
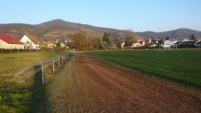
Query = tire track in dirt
x=88 y=84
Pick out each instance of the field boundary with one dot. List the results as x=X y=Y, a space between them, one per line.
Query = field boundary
x=179 y=66
x=53 y=63
x=18 y=50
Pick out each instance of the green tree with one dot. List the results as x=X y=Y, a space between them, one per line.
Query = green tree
x=192 y=37
x=105 y=37
x=117 y=42
x=167 y=38
x=105 y=41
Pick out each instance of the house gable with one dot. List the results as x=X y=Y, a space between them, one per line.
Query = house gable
x=28 y=43
x=26 y=40
x=168 y=42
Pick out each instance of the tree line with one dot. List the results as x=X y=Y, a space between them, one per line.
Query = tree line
x=80 y=41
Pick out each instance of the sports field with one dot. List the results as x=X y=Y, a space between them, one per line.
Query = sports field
x=181 y=66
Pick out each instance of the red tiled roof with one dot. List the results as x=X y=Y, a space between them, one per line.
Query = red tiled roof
x=146 y=42
x=9 y=39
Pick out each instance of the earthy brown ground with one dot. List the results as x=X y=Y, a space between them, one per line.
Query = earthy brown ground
x=88 y=84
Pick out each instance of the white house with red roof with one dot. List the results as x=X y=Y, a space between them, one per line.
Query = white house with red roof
x=9 y=42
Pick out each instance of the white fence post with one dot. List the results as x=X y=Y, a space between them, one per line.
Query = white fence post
x=58 y=62
x=48 y=62
x=62 y=59
x=53 y=69
x=43 y=81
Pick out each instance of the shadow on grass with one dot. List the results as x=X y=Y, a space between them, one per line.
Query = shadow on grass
x=39 y=94
x=27 y=97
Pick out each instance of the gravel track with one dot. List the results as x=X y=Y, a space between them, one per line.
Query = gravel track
x=89 y=84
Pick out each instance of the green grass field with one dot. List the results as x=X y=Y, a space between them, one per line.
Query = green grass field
x=26 y=97
x=13 y=62
x=181 y=66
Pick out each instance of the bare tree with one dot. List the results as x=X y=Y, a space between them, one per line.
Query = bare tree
x=95 y=42
x=80 y=41
x=130 y=37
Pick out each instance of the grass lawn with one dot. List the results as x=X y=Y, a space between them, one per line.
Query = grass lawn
x=29 y=96
x=13 y=62
x=181 y=66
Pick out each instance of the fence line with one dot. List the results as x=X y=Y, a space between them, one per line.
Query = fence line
x=60 y=58
x=41 y=66
x=18 y=50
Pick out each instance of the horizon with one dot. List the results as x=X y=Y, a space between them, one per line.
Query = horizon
x=156 y=16
x=102 y=27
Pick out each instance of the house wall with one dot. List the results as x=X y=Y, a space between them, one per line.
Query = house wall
x=2 y=43
x=135 y=45
x=167 y=44
x=5 y=45
x=28 y=43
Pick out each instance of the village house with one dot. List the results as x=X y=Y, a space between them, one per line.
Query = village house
x=149 y=43
x=155 y=43
x=167 y=44
x=30 y=42
x=198 y=43
x=9 y=42
x=187 y=44
x=140 y=44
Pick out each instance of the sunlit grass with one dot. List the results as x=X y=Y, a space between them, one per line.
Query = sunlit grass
x=181 y=66
x=13 y=62
x=30 y=95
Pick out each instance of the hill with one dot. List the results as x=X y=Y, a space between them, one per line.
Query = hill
x=178 y=34
x=181 y=33
x=54 y=29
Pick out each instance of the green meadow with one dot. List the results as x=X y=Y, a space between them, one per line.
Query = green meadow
x=182 y=66
x=25 y=97
x=11 y=63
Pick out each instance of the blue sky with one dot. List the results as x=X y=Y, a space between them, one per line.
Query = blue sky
x=138 y=15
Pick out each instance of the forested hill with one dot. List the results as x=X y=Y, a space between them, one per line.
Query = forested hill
x=61 y=29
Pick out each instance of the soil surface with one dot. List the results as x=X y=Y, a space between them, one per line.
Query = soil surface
x=88 y=84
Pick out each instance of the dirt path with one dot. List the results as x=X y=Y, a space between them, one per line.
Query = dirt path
x=88 y=84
